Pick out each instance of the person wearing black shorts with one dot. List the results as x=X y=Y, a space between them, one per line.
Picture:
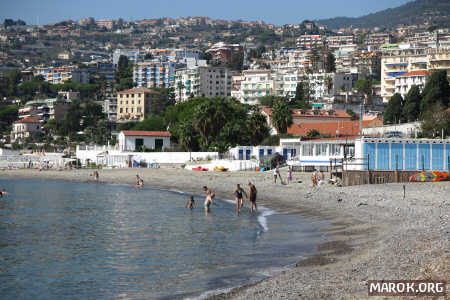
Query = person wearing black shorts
x=252 y=196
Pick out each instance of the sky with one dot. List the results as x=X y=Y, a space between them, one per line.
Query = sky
x=277 y=12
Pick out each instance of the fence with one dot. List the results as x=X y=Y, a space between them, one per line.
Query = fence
x=375 y=177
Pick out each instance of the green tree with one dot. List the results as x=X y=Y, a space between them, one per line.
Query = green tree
x=302 y=96
x=281 y=116
x=154 y=123
x=435 y=121
x=313 y=133
x=393 y=112
x=365 y=87
x=411 y=107
x=257 y=127
x=436 y=90
x=328 y=84
x=331 y=63
x=8 y=114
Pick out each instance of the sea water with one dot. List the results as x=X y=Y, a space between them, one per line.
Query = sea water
x=83 y=240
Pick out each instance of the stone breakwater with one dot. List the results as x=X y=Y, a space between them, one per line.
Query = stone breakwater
x=374 y=232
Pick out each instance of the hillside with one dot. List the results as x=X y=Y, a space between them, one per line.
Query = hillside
x=417 y=12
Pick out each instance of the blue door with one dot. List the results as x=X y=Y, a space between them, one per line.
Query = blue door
x=369 y=150
x=383 y=156
x=424 y=156
x=285 y=153
x=437 y=152
x=241 y=154
x=411 y=156
x=247 y=154
x=293 y=152
x=396 y=156
x=447 y=157
x=261 y=153
x=269 y=151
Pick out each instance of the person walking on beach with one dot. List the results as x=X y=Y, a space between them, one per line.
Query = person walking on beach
x=321 y=178
x=290 y=174
x=252 y=196
x=238 y=196
x=190 y=203
x=314 y=178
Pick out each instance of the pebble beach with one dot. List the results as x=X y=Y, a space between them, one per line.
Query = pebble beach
x=376 y=231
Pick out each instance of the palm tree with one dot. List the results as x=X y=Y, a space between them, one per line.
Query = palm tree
x=281 y=116
x=328 y=84
x=180 y=87
x=187 y=134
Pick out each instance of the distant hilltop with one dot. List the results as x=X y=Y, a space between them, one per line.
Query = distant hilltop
x=435 y=12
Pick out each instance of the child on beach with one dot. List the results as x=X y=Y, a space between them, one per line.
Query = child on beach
x=190 y=203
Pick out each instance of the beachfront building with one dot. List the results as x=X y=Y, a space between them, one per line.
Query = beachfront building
x=134 y=104
x=137 y=140
x=402 y=154
x=25 y=128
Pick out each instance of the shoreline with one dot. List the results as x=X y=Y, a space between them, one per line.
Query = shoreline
x=373 y=233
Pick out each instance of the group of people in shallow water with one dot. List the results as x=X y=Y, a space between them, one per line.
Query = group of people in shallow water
x=238 y=194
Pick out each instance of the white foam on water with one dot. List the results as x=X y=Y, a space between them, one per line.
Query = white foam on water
x=207 y=294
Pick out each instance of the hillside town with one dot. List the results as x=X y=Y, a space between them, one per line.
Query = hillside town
x=83 y=83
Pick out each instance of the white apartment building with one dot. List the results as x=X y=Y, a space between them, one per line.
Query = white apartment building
x=399 y=61
x=203 y=82
x=404 y=82
x=340 y=40
x=310 y=41
x=256 y=84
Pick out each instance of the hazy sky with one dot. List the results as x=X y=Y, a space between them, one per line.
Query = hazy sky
x=278 y=12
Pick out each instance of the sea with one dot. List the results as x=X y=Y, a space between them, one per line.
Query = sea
x=70 y=240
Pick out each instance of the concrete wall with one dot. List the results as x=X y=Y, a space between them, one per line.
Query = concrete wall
x=407 y=129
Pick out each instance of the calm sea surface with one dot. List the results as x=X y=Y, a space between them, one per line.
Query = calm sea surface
x=62 y=240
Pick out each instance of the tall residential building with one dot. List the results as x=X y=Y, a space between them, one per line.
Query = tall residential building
x=404 y=82
x=133 y=55
x=134 y=104
x=151 y=74
x=399 y=61
x=203 y=82
x=256 y=84
x=45 y=109
x=309 y=41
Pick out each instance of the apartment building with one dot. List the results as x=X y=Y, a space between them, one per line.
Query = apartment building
x=57 y=75
x=400 y=61
x=134 y=104
x=368 y=64
x=256 y=84
x=309 y=41
x=203 y=82
x=222 y=52
x=405 y=81
x=25 y=128
x=339 y=40
x=108 y=24
x=45 y=109
x=156 y=73
x=375 y=40
x=133 y=55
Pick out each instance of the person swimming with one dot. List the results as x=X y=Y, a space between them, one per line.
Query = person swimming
x=190 y=203
x=139 y=182
x=208 y=199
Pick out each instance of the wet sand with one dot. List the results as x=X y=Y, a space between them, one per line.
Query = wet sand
x=374 y=232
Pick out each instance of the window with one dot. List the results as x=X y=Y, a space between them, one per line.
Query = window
x=139 y=95
x=128 y=95
x=139 y=110
x=132 y=110
x=335 y=150
x=121 y=102
x=126 y=109
x=307 y=150
x=132 y=102
x=321 y=149
x=121 y=95
x=121 y=110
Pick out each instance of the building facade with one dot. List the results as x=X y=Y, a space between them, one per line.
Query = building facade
x=154 y=74
x=136 y=140
x=134 y=104
x=25 y=128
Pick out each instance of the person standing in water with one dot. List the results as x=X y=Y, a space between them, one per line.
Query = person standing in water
x=252 y=196
x=290 y=174
x=238 y=196
x=139 y=182
x=190 y=203
x=208 y=199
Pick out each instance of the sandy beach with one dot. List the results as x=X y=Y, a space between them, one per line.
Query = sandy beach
x=374 y=232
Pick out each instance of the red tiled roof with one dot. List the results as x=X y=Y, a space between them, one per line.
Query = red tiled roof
x=146 y=133
x=137 y=90
x=309 y=113
x=27 y=120
x=344 y=128
x=414 y=73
